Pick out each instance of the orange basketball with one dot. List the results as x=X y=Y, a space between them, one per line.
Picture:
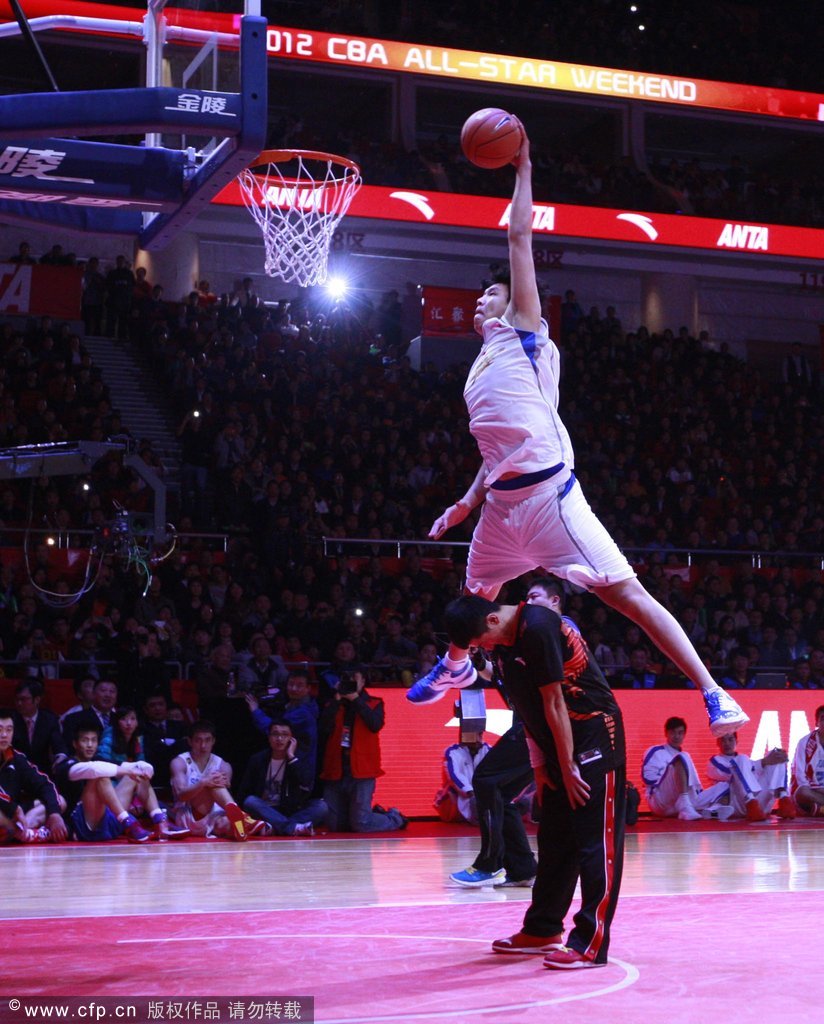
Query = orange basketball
x=491 y=138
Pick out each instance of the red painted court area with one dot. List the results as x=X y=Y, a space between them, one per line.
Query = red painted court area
x=684 y=959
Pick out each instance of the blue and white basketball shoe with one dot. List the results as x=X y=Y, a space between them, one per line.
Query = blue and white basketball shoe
x=438 y=680
x=725 y=714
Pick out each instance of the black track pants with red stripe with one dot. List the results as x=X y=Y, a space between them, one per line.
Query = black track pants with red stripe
x=587 y=842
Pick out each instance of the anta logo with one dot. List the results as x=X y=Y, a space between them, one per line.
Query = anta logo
x=421 y=203
x=640 y=221
x=543 y=217
x=770 y=734
x=744 y=236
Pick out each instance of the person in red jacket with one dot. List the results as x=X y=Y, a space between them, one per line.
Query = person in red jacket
x=350 y=724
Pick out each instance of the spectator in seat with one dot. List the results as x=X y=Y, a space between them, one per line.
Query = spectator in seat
x=817 y=668
x=20 y=780
x=277 y=786
x=96 y=809
x=455 y=800
x=808 y=769
x=394 y=649
x=754 y=785
x=773 y=653
x=200 y=782
x=739 y=676
x=800 y=676
x=104 y=701
x=23 y=255
x=673 y=787
x=36 y=730
x=163 y=737
x=299 y=710
x=83 y=688
x=120 y=743
x=264 y=673
x=638 y=675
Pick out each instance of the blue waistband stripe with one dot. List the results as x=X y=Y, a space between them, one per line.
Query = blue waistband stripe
x=515 y=483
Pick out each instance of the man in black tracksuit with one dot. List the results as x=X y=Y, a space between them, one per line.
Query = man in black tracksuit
x=21 y=780
x=578 y=752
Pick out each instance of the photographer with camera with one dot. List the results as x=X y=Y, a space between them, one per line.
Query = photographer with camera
x=350 y=723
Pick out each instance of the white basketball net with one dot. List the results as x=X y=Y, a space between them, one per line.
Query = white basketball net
x=298 y=214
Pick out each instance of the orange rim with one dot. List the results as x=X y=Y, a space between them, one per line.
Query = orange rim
x=280 y=156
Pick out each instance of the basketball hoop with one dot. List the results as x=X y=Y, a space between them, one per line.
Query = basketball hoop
x=297 y=199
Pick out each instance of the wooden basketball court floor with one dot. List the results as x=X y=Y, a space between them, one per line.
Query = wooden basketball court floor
x=712 y=925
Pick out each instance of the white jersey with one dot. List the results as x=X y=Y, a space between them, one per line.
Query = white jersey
x=195 y=774
x=748 y=780
x=657 y=760
x=808 y=763
x=460 y=766
x=511 y=394
x=183 y=814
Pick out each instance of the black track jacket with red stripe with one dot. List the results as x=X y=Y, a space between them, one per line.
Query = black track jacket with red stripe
x=20 y=781
x=547 y=650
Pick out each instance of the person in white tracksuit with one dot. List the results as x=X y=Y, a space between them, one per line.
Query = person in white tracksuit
x=754 y=785
x=672 y=784
x=808 y=769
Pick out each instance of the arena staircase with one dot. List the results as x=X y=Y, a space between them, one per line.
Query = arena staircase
x=144 y=409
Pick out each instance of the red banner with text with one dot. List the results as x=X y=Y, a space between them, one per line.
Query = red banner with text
x=493 y=69
x=448 y=311
x=40 y=290
x=646 y=231
x=415 y=738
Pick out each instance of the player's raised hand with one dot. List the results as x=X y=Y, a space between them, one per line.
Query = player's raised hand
x=446 y=520
x=522 y=156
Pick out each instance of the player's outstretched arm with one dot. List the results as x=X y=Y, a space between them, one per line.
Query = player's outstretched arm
x=463 y=506
x=524 y=309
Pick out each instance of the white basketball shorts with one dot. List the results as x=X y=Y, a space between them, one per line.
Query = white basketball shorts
x=549 y=525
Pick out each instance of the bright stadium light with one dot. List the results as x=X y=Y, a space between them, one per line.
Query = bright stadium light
x=336 y=288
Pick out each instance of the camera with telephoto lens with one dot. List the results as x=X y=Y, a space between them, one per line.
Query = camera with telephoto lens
x=348 y=684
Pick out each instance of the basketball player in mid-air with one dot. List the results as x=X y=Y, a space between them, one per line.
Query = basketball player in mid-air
x=535 y=513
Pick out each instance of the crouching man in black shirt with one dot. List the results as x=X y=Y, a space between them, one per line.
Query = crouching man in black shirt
x=577 y=749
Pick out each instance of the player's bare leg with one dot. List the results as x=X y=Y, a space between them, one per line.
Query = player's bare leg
x=631 y=599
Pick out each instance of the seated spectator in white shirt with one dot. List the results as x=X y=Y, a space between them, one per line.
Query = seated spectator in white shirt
x=672 y=784
x=754 y=785
x=455 y=800
x=808 y=769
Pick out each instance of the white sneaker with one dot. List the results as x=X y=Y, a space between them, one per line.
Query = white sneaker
x=686 y=810
x=304 y=828
x=718 y=812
